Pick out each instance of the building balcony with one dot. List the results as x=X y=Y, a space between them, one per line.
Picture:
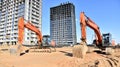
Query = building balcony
x=15 y=31
x=2 y=19
x=16 y=20
x=15 y=27
x=14 y=36
x=33 y=35
x=15 y=23
x=1 y=26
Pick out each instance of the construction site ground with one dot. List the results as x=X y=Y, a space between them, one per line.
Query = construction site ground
x=61 y=58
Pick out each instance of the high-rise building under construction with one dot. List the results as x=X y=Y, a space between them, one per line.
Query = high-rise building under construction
x=62 y=24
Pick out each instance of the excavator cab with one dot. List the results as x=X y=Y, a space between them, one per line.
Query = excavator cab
x=46 y=40
x=107 y=39
x=48 y=43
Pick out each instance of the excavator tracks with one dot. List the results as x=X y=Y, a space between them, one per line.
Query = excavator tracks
x=107 y=60
x=46 y=49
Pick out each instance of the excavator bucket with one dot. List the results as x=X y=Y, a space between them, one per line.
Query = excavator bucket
x=79 y=51
x=18 y=49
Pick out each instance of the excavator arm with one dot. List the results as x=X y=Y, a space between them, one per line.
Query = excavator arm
x=86 y=21
x=34 y=29
x=28 y=25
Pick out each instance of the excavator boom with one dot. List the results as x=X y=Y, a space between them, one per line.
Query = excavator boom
x=22 y=25
x=86 y=21
x=20 y=30
x=34 y=29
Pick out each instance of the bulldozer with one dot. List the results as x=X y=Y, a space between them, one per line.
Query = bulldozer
x=102 y=41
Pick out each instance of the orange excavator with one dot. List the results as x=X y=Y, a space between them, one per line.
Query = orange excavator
x=43 y=41
x=102 y=41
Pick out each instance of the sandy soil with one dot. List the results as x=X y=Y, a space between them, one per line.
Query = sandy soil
x=61 y=58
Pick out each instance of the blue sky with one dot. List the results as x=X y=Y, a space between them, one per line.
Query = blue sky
x=105 y=13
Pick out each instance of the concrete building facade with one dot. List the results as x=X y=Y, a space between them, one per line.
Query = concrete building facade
x=10 y=11
x=63 y=24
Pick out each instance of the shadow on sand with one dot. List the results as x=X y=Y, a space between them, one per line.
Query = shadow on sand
x=67 y=53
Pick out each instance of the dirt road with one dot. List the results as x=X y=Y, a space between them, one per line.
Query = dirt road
x=61 y=58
